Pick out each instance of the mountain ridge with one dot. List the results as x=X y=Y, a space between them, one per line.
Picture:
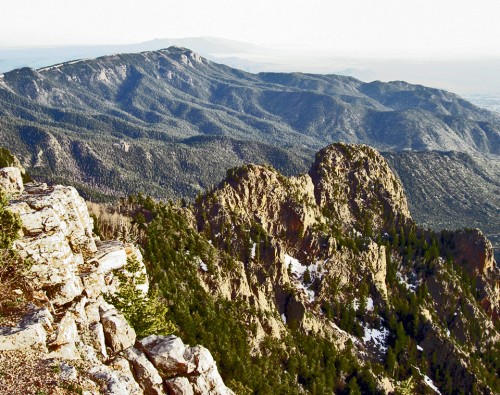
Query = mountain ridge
x=92 y=123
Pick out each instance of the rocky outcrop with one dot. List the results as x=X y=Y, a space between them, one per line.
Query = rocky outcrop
x=189 y=369
x=474 y=252
x=117 y=332
x=71 y=271
x=313 y=250
x=356 y=185
x=31 y=331
x=304 y=233
x=145 y=372
x=11 y=180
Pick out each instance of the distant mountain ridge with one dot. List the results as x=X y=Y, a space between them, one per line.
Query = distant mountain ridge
x=170 y=123
x=321 y=108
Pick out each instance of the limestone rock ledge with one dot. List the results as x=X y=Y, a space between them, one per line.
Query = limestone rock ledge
x=71 y=272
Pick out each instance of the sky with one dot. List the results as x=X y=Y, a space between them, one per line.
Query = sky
x=375 y=28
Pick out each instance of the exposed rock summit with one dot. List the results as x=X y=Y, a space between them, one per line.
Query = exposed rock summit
x=71 y=272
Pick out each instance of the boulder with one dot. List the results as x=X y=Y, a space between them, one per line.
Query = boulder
x=174 y=359
x=66 y=332
x=67 y=292
x=31 y=331
x=67 y=351
x=167 y=354
x=144 y=372
x=118 y=333
x=111 y=255
x=179 y=386
x=113 y=381
x=11 y=180
x=207 y=378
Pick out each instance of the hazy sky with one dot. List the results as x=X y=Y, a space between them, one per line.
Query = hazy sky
x=443 y=28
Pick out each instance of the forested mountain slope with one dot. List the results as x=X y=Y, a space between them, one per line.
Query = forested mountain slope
x=171 y=123
x=323 y=283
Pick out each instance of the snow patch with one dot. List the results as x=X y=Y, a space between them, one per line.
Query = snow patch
x=203 y=265
x=428 y=381
x=369 y=304
x=404 y=280
x=295 y=266
x=252 y=250
x=430 y=384
x=298 y=270
x=378 y=337
x=283 y=317
x=419 y=348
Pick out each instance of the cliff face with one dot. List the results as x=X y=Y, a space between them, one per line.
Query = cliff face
x=355 y=184
x=341 y=236
x=69 y=324
x=285 y=227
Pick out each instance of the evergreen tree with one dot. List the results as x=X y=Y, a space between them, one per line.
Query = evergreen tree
x=145 y=313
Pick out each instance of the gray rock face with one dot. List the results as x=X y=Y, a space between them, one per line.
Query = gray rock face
x=185 y=365
x=144 y=371
x=31 y=331
x=118 y=333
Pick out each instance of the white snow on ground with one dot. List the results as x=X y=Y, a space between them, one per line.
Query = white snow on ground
x=298 y=270
x=419 y=348
x=369 y=304
x=252 y=251
x=404 y=280
x=316 y=270
x=378 y=337
x=283 y=317
x=295 y=266
x=428 y=381
x=203 y=265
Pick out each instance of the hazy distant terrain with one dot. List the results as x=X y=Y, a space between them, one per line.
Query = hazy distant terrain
x=468 y=77
x=488 y=101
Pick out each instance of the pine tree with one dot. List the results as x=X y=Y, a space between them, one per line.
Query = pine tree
x=390 y=361
x=145 y=313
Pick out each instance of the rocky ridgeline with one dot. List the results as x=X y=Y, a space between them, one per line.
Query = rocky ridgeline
x=71 y=272
x=346 y=187
x=305 y=247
